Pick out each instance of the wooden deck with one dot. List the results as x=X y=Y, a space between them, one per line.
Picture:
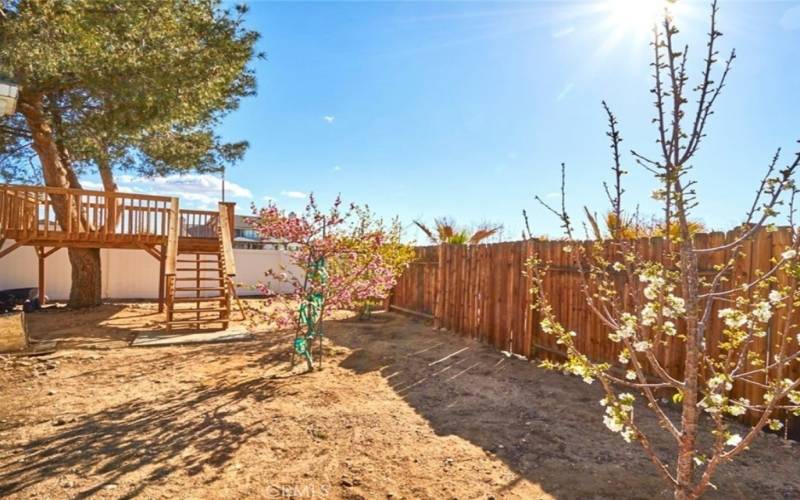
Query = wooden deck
x=49 y=218
x=29 y=215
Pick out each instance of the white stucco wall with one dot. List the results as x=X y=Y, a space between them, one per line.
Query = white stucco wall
x=126 y=274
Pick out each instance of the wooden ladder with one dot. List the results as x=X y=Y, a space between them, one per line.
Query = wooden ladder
x=199 y=283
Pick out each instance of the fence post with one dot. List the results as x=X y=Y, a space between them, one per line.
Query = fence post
x=438 y=309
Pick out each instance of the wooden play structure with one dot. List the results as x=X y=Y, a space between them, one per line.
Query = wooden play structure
x=193 y=247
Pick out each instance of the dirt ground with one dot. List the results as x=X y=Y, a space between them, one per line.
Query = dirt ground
x=398 y=411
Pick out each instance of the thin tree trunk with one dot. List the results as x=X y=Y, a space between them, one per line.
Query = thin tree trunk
x=685 y=465
x=106 y=175
x=86 y=284
x=690 y=284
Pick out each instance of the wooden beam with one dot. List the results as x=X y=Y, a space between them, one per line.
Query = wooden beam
x=149 y=249
x=13 y=247
x=51 y=251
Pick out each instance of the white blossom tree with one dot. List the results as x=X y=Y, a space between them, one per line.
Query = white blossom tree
x=670 y=301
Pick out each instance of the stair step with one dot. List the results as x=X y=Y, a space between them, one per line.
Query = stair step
x=192 y=261
x=198 y=288
x=198 y=299
x=200 y=253
x=196 y=321
x=197 y=269
x=200 y=310
x=201 y=278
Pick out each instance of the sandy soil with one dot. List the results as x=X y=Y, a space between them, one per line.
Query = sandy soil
x=399 y=411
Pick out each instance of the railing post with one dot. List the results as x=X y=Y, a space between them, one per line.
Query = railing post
x=226 y=234
x=172 y=255
x=230 y=208
x=172 y=236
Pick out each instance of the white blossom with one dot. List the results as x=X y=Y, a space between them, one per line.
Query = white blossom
x=734 y=440
x=717 y=381
x=628 y=434
x=733 y=318
x=762 y=311
x=649 y=315
x=581 y=371
x=626 y=400
x=775 y=296
x=641 y=346
x=630 y=375
x=626 y=330
x=737 y=410
x=789 y=254
x=676 y=303
x=614 y=424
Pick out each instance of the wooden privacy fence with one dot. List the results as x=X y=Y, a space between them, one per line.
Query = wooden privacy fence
x=481 y=292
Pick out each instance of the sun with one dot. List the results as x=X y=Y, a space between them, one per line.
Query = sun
x=638 y=16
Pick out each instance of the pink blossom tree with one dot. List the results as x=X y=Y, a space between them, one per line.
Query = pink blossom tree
x=338 y=257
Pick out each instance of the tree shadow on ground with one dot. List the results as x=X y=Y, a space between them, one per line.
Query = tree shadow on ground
x=106 y=326
x=196 y=427
x=192 y=430
x=544 y=426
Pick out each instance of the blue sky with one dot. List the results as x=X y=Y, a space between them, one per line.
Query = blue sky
x=468 y=109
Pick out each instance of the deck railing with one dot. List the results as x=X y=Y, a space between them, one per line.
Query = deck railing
x=198 y=224
x=37 y=212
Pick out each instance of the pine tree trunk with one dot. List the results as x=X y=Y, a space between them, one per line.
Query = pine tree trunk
x=86 y=288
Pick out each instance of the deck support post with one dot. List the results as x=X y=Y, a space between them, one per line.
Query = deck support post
x=40 y=253
x=162 y=267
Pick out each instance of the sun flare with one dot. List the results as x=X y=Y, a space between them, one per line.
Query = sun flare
x=638 y=16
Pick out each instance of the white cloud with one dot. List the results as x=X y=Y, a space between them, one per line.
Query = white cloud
x=91 y=185
x=98 y=186
x=194 y=190
x=329 y=118
x=294 y=194
x=552 y=195
x=791 y=19
x=565 y=91
x=563 y=32
x=337 y=168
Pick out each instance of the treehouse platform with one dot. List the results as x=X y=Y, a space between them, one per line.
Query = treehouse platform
x=194 y=247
